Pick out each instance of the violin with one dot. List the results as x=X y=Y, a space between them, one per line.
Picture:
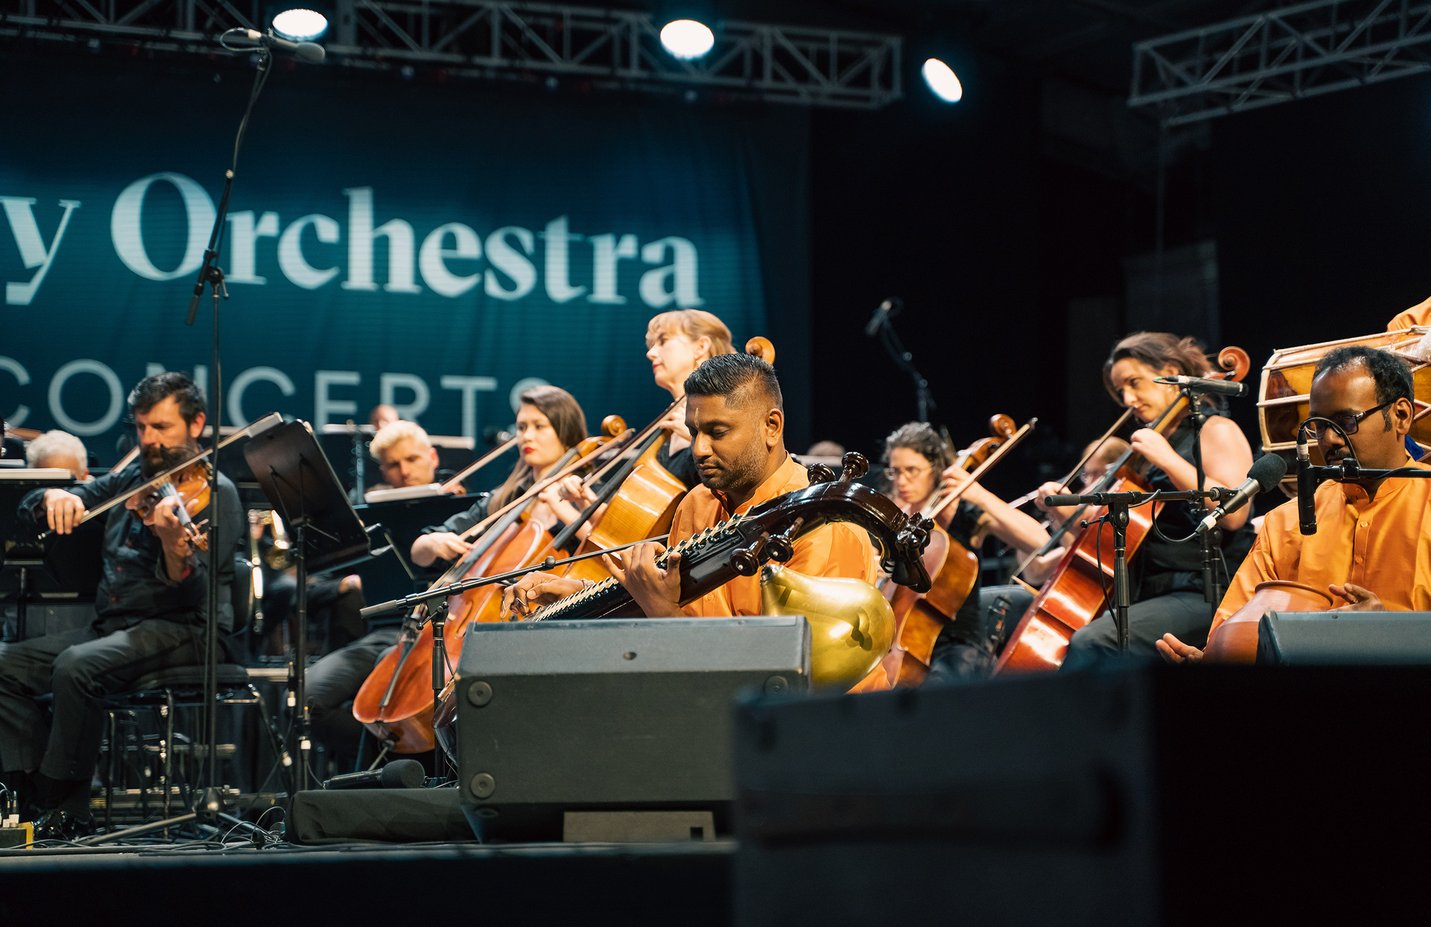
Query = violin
x=148 y=486
x=954 y=568
x=1077 y=590
x=191 y=486
x=14 y=431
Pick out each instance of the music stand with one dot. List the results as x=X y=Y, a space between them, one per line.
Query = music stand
x=393 y=578
x=300 y=483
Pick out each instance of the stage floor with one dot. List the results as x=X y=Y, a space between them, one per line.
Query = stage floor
x=460 y=883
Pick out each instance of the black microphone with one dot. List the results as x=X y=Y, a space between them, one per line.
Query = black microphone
x=1306 y=487
x=311 y=52
x=1205 y=385
x=882 y=314
x=1265 y=473
x=1060 y=500
x=399 y=774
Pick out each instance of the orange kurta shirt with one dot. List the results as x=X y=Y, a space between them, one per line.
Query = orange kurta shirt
x=1419 y=314
x=1383 y=545
x=830 y=550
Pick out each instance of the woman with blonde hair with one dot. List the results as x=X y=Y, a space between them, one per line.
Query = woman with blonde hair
x=677 y=342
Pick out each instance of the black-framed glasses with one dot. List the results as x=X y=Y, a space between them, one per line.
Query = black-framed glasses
x=1346 y=422
x=894 y=473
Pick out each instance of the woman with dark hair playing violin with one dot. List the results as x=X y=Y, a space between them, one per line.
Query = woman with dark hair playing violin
x=920 y=467
x=150 y=609
x=1165 y=575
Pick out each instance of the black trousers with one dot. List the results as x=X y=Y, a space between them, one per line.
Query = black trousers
x=1185 y=614
x=79 y=667
x=330 y=686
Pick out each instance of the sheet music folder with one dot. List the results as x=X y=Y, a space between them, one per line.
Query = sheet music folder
x=385 y=578
x=297 y=478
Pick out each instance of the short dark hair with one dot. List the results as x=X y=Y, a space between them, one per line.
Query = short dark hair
x=1392 y=375
x=153 y=390
x=737 y=377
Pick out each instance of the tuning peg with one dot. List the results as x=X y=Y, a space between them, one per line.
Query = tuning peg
x=856 y=466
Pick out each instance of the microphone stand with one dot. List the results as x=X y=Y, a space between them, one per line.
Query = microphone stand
x=212 y=276
x=1212 y=587
x=1210 y=541
x=1118 y=505
x=905 y=361
x=1349 y=471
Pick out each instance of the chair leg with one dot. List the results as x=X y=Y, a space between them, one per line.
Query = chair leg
x=166 y=750
x=111 y=719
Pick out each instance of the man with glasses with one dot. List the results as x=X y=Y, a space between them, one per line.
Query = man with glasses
x=1372 y=548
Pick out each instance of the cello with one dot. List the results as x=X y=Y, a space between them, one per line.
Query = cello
x=640 y=498
x=395 y=701
x=1077 y=590
x=953 y=568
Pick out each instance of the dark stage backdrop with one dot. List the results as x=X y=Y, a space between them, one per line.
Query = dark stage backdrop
x=1321 y=209
x=433 y=245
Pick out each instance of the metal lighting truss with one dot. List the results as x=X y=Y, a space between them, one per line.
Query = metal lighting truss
x=1280 y=55
x=502 y=38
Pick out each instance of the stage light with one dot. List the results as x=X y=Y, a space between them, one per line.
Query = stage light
x=300 y=25
x=687 y=38
x=941 y=80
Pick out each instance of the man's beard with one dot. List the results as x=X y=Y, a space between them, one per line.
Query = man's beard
x=158 y=458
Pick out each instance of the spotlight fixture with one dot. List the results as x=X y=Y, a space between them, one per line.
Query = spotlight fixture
x=941 y=80
x=298 y=24
x=687 y=39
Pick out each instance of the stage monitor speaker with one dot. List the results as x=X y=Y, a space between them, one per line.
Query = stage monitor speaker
x=612 y=729
x=1356 y=638
x=1151 y=795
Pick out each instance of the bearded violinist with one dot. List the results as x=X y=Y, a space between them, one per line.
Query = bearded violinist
x=736 y=418
x=1165 y=575
x=150 y=611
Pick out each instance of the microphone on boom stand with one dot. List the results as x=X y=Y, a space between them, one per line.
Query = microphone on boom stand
x=882 y=314
x=1306 y=487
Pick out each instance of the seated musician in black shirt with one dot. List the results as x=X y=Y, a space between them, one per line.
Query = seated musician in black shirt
x=150 y=611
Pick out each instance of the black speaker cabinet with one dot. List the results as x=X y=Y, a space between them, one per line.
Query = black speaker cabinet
x=1150 y=796
x=613 y=729
x=1360 y=638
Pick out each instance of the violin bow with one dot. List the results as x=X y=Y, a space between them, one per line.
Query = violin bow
x=253 y=428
